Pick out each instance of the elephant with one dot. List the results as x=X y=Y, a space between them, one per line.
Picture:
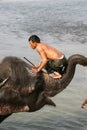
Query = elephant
x=17 y=79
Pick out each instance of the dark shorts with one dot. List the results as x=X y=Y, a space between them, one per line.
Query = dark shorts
x=58 y=65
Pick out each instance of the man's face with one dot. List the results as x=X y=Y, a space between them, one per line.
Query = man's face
x=32 y=44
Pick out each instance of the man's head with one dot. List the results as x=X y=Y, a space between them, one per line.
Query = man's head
x=33 y=40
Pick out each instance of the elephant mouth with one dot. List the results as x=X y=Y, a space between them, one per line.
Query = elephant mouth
x=8 y=109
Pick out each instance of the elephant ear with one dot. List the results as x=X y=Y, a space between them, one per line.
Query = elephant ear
x=44 y=98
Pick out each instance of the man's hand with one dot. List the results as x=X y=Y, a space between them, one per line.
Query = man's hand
x=37 y=65
x=84 y=103
x=35 y=70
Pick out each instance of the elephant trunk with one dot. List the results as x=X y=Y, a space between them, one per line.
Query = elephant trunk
x=55 y=86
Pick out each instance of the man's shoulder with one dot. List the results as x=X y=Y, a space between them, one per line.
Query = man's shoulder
x=39 y=47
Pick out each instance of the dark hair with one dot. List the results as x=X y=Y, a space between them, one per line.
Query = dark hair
x=34 y=38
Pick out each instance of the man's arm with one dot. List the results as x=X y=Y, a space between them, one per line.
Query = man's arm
x=43 y=60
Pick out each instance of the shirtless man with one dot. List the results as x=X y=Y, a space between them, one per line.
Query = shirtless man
x=51 y=59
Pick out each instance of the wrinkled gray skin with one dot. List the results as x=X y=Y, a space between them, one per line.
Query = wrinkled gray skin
x=16 y=78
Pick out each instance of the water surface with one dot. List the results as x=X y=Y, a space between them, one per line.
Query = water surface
x=62 y=24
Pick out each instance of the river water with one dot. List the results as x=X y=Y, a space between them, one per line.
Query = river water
x=62 y=24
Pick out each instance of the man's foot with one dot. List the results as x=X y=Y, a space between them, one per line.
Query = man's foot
x=57 y=75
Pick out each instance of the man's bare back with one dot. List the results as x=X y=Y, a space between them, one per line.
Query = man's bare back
x=49 y=51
